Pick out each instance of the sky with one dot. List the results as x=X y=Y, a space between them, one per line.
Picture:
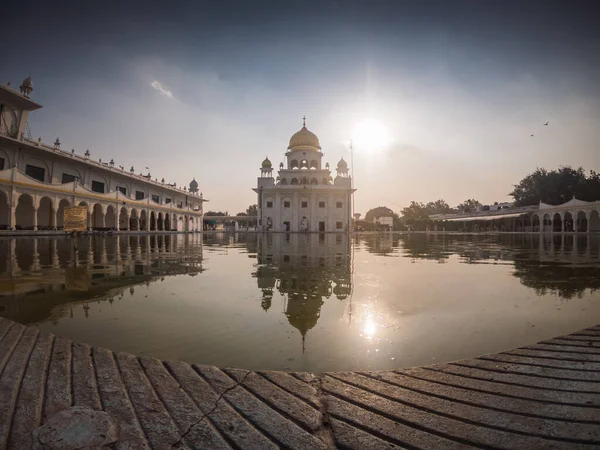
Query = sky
x=208 y=89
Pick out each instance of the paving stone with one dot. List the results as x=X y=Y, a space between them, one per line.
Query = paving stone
x=544 y=395
x=220 y=413
x=10 y=380
x=85 y=388
x=58 y=384
x=115 y=401
x=481 y=381
x=193 y=427
x=28 y=410
x=285 y=432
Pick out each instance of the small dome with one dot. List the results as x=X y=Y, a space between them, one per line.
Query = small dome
x=266 y=164
x=27 y=82
x=193 y=185
x=304 y=138
x=342 y=164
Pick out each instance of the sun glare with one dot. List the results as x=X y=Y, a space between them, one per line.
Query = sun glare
x=370 y=135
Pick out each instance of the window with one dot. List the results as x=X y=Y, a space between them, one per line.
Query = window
x=338 y=225
x=338 y=204
x=167 y=201
x=68 y=178
x=155 y=198
x=97 y=186
x=286 y=204
x=180 y=204
x=34 y=172
x=122 y=190
x=139 y=195
x=286 y=258
x=1 y=163
x=269 y=204
x=321 y=204
x=305 y=204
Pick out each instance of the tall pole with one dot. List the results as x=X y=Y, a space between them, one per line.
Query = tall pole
x=352 y=181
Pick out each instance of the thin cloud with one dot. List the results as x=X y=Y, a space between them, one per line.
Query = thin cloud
x=160 y=88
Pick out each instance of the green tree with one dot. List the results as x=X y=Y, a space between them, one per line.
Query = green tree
x=214 y=213
x=556 y=186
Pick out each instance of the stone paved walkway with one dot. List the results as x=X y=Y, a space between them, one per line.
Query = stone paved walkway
x=541 y=396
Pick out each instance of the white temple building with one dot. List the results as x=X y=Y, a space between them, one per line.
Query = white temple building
x=38 y=181
x=304 y=197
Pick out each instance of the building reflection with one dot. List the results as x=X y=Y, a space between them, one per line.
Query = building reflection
x=38 y=274
x=565 y=265
x=305 y=269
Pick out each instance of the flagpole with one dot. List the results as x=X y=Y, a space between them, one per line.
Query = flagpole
x=352 y=180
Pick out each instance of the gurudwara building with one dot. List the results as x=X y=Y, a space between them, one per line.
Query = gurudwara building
x=304 y=196
x=38 y=181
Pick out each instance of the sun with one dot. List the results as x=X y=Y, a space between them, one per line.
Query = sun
x=370 y=135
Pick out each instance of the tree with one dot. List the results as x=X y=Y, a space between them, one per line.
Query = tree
x=252 y=210
x=382 y=211
x=469 y=205
x=213 y=213
x=556 y=186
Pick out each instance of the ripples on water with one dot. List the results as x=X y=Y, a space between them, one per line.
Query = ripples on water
x=304 y=302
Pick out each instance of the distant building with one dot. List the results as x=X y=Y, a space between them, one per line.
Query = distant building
x=304 y=197
x=384 y=222
x=38 y=181
x=575 y=216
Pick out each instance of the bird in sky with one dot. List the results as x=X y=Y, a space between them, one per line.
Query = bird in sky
x=546 y=124
x=532 y=135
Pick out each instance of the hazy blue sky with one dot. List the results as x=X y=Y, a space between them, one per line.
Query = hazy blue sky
x=208 y=89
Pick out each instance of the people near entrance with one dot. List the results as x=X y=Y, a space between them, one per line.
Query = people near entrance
x=304 y=224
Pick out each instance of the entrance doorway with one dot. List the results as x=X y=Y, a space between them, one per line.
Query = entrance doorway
x=321 y=226
x=286 y=226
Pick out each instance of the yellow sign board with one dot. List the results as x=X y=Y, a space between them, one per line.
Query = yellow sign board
x=75 y=218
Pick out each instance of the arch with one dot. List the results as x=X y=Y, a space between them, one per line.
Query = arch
x=44 y=214
x=284 y=181
x=190 y=224
x=535 y=222
x=123 y=218
x=546 y=223
x=152 y=221
x=594 y=221
x=98 y=218
x=294 y=164
x=304 y=164
x=134 y=220
x=4 y=211
x=160 y=222
x=143 y=220
x=557 y=223
x=167 y=222
x=294 y=181
x=568 y=222
x=24 y=213
x=314 y=164
x=314 y=181
x=581 y=222
x=325 y=181
x=110 y=218
x=60 y=213
x=8 y=160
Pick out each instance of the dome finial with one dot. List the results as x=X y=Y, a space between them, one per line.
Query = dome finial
x=304 y=120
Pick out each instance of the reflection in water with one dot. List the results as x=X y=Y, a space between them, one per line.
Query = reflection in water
x=303 y=302
x=305 y=271
x=40 y=274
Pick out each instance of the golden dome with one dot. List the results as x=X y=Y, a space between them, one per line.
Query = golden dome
x=304 y=138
